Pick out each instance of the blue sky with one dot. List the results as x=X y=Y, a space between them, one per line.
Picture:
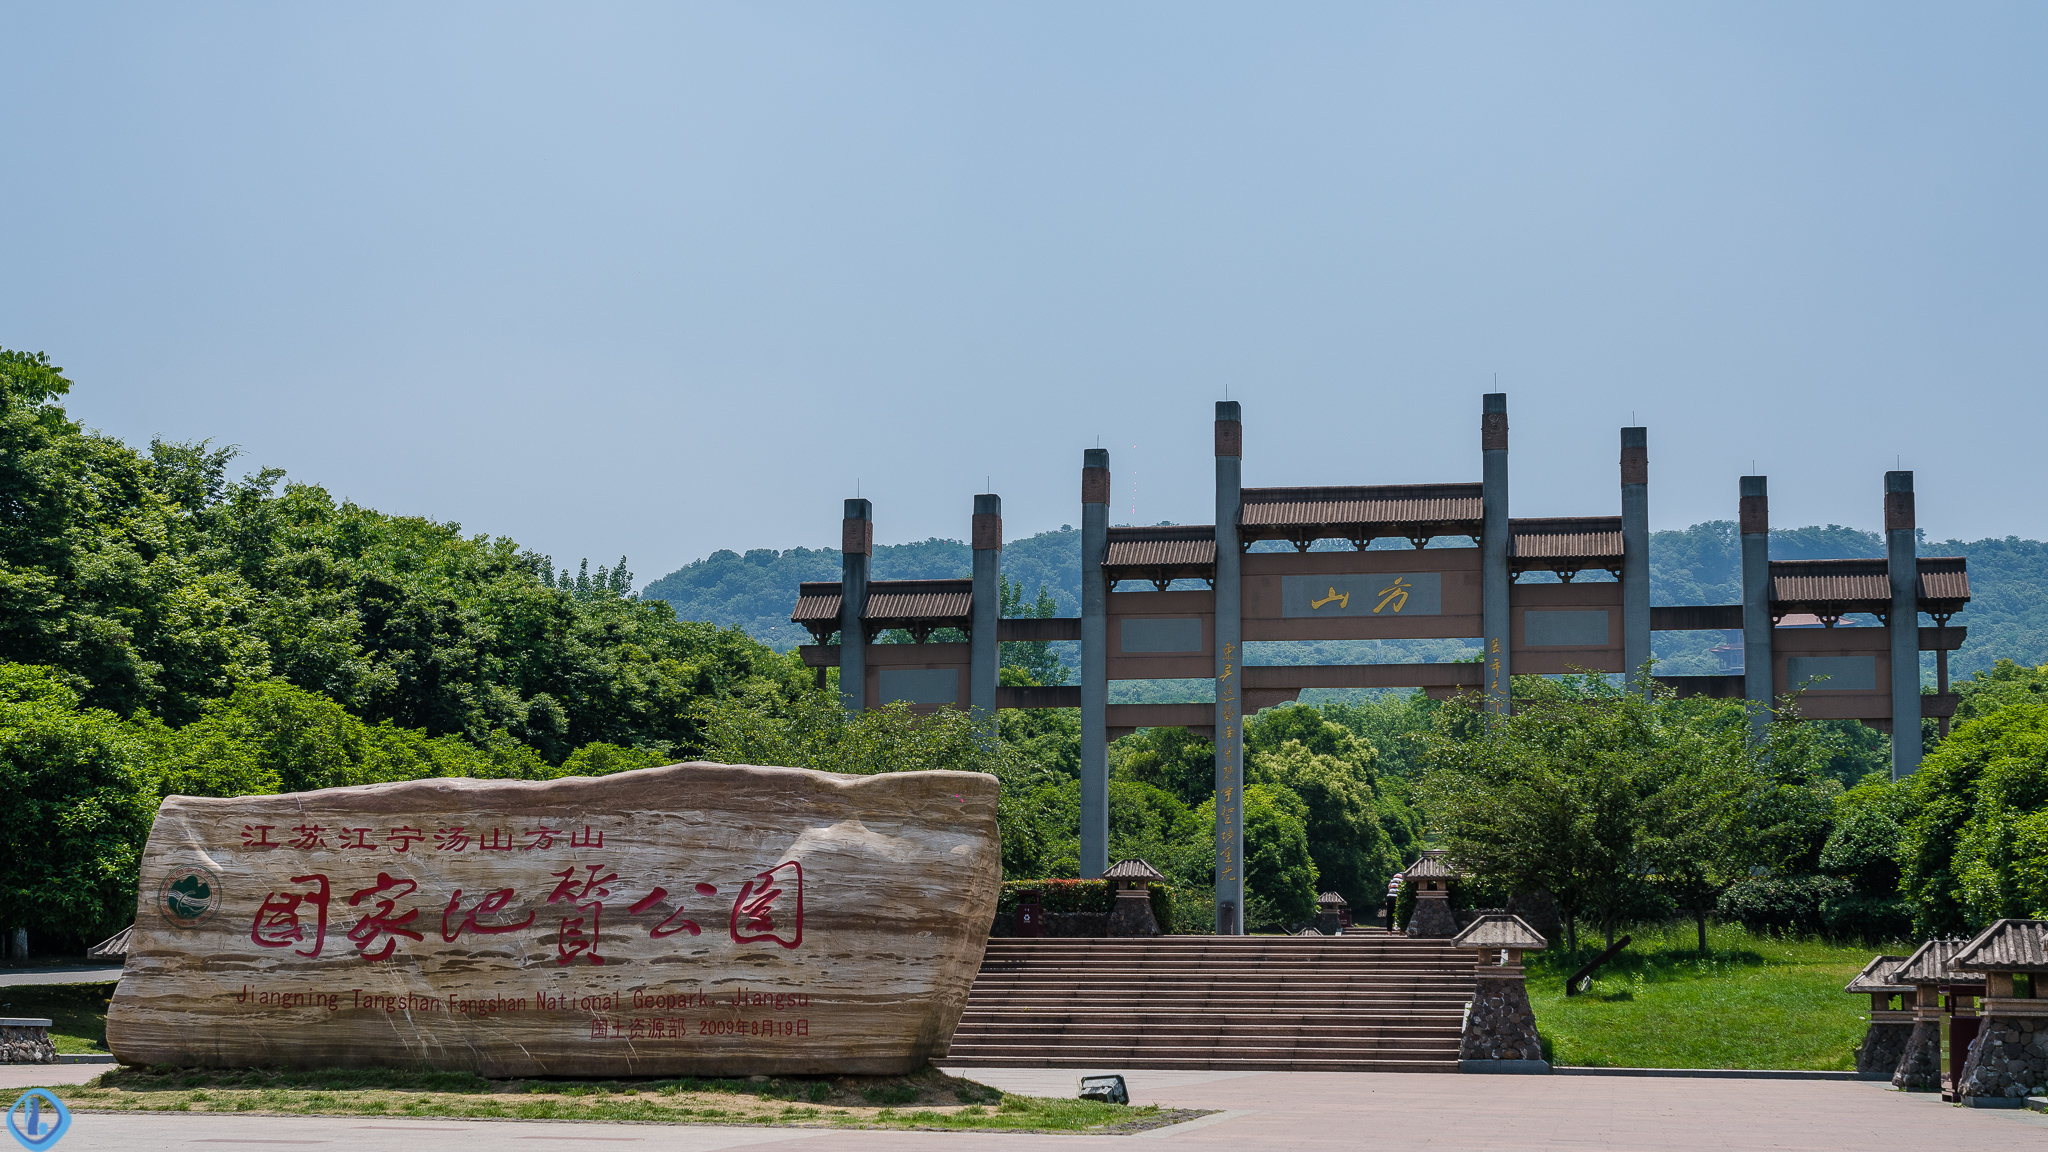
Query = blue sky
x=665 y=279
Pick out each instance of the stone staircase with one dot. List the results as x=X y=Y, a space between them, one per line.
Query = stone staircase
x=1361 y=1002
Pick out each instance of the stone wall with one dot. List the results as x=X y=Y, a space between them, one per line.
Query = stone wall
x=1919 y=1068
x=1878 y=1056
x=1501 y=1025
x=2009 y=1059
x=26 y=1044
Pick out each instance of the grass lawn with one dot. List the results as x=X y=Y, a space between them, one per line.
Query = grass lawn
x=928 y=1099
x=77 y=1012
x=1747 y=1002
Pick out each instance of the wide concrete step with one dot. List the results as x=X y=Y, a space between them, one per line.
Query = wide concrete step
x=1359 y=1003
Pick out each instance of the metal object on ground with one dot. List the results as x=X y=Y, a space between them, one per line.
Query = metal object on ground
x=1571 y=986
x=1107 y=1089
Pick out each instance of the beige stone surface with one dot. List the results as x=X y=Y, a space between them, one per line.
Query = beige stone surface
x=695 y=919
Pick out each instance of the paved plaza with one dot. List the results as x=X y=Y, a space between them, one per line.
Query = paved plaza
x=1286 y=1110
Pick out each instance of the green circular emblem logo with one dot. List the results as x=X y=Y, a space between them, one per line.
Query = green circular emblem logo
x=188 y=896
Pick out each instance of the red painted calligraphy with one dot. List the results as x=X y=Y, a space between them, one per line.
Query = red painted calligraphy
x=540 y=838
x=754 y=911
x=675 y=922
x=488 y=906
x=309 y=837
x=584 y=839
x=257 y=836
x=277 y=923
x=380 y=922
x=406 y=837
x=357 y=839
x=451 y=839
x=587 y=894
x=498 y=842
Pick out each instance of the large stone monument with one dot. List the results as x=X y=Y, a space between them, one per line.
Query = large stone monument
x=697 y=919
x=2010 y=1059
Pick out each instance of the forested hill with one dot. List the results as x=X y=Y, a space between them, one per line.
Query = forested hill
x=2008 y=616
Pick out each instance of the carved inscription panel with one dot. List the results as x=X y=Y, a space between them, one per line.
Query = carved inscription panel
x=693 y=919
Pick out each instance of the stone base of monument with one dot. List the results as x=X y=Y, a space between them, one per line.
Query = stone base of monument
x=26 y=1040
x=2008 y=1063
x=1433 y=918
x=1920 y=1067
x=1500 y=1028
x=1878 y=1056
x=1506 y=1067
x=1132 y=915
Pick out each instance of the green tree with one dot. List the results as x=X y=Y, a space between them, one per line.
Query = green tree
x=1279 y=874
x=80 y=802
x=1034 y=659
x=1976 y=846
x=1353 y=855
x=1592 y=793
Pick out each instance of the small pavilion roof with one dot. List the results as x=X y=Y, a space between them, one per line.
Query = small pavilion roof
x=1566 y=545
x=1161 y=553
x=1934 y=963
x=1877 y=977
x=1132 y=870
x=1332 y=900
x=2007 y=946
x=917 y=605
x=1430 y=867
x=1500 y=930
x=1830 y=588
x=1360 y=514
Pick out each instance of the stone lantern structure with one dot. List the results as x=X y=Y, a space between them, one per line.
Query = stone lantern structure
x=1885 y=1040
x=1432 y=879
x=1500 y=1030
x=1132 y=913
x=2010 y=1060
x=1930 y=971
x=1334 y=914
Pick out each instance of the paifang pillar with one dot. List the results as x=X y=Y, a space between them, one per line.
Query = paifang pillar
x=1094 y=665
x=1754 y=516
x=1635 y=556
x=856 y=545
x=1903 y=563
x=1493 y=550
x=984 y=666
x=1229 y=665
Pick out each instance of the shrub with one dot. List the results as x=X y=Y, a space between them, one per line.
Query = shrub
x=1784 y=905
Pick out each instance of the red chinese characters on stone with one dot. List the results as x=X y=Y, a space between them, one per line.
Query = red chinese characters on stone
x=572 y=939
x=755 y=910
x=675 y=922
x=490 y=905
x=277 y=923
x=380 y=923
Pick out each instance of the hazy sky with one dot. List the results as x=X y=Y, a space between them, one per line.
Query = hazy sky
x=661 y=280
